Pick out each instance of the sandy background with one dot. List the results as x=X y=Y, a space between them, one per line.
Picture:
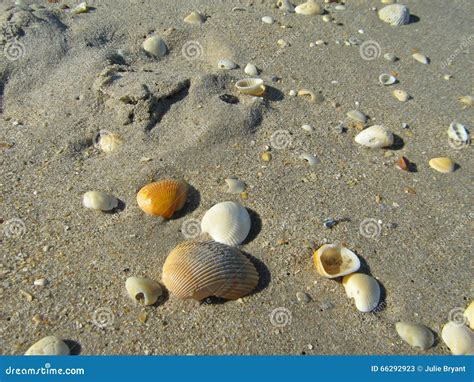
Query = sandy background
x=55 y=100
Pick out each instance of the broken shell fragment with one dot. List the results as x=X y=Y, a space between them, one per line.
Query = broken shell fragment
x=387 y=79
x=312 y=96
x=97 y=200
x=156 y=46
x=375 y=137
x=458 y=132
x=234 y=186
x=251 y=70
x=107 y=142
x=226 y=64
x=443 y=164
x=415 y=335
x=267 y=19
x=395 y=14
x=201 y=269
x=251 y=86
x=310 y=158
x=80 y=8
x=401 y=95
x=50 y=345
x=364 y=289
x=421 y=58
x=403 y=164
x=458 y=338
x=309 y=8
x=285 y=5
x=356 y=115
x=467 y=100
x=469 y=315
x=390 y=57
x=163 y=198
x=195 y=18
x=333 y=260
x=143 y=289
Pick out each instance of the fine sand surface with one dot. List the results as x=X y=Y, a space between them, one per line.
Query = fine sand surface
x=70 y=81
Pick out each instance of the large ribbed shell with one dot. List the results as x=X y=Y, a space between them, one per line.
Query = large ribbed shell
x=395 y=14
x=200 y=269
x=163 y=198
x=227 y=223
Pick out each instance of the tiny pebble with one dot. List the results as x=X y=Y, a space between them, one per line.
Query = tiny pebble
x=320 y=42
x=310 y=347
x=302 y=297
x=292 y=93
x=339 y=7
x=312 y=44
x=266 y=156
x=307 y=128
x=267 y=19
x=40 y=282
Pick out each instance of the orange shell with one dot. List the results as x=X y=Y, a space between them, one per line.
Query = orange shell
x=163 y=198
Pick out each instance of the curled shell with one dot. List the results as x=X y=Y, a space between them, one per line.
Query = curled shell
x=227 y=223
x=458 y=338
x=395 y=14
x=251 y=70
x=421 y=58
x=285 y=5
x=251 y=86
x=401 y=95
x=357 y=115
x=387 y=79
x=199 y=270
x=333 y=260
x=458 y=132
x=234 y=186
x=50 y=345
x=364 y=289
x=375 y=137
x=469 y=315
x=107 y=142
x=308 y=93
x=310 y=158
x=226 y=64
x=444 y=164
x=97 y=200
x=156 y=46
x=415 y=335
x=163 y=198
x=194 y=18
x=143 y=289
x=309 y=8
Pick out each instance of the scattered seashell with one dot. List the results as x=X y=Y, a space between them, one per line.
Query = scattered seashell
x=415 y=335
x=375 y=137
x=143 y=289
x=307 y=93
x=40 y=282
x=443 y=164
x=107 y=142
x=458 y=338
x=447 y=77
x=458 y=132
x=421 y=58
x=227 y=223
x=339 y=7
x=282 y=43
x=307 y=128
x=469 y=314
x=226 y=64
x=333 y=260
x=267 y=19
x=387 y=79
x=364 y=289
x=401 y=95
x=80 y=8
x=251 y=70
x=285 y=5
x=467 y=100
x=156 y=46
x=395 y=14
x=309 y=8
x=357 y=115
x=163 y=198
x=327 y=18
x=200 y=269
x=195 y=18
x=390 y=57
x=234 y=186
x=50 y=345
x=302 y=297
x=320 y=42
x=292 y=93
x=97 y=200
x=251 y=86
x=266 y=156
x=403 y=164
x=310 y=158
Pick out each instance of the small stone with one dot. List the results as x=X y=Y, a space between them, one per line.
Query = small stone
x=390 y=57
x=142 y=316
x=340 y=7
x=329 y=223
x=28 y=296
x=303 y=297
x=320 y=42
x=312 y=44
x=40 y=282
x=266 y=156
x=310 y=347
x=292 y=93
x=267 y=19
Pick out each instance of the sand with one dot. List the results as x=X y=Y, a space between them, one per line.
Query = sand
x=77 y=75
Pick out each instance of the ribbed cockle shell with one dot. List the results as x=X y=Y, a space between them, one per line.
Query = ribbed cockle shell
x=163 y=198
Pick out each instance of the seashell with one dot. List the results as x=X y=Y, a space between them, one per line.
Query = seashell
x=310 y=158
x=327 y=18
x=50 y=345
x=333 y=260
x=421 y=58
x=467 y=100
x=97 y=200
x=80 y=8
x=390 y=57
x=364 y=289
x=163 y=198
x=200 y=269
x=251 y=86
x=282 y=43
x=309 y=8
x=358 y=116
x=143 y=289
x=458 y=132
x=267 y=19
x=307 y=128
x=227 y=223
x=443 y=164
x=375 y=137
x=458 y=338
x=415 y=335
x=195 y=18
x=312 y=96
x=403 y=163
x=401 y=95
x=251 y=70
x=387 y=79
x=469 y=314
x=395 y=14
x=292 y=93
x=234 y=186
x=226 y=64
x=156 y=46
x=285 y=5
x=107 y=142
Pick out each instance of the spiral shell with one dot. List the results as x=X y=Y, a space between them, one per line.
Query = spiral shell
x=395 y=14
x=227 y=223
x=200 y=269
x=163 y=198
x=50 y=345
x=251 y=86
x=333 y=260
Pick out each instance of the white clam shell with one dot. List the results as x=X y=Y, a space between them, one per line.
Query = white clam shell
x=469 y=314
x=401 y=95
x=364 y=289
x=310 y=158
x=415 y=335
x=226 y=64
x=421 y=58
x=50 y=345
x=156 y=46
x=395 y=14
x=267 y=19
x=143 y=289
x=194 y=18
x=234 y=186
x=285 y=5
x=250 y=86
x=333 y=260
x=227 y=223
x=98 y=200
x=387 y=79
x=357 y=115
x=107 y=142
x=458 y=132
x=458 y=338
x=375 y=137
x=309 y=8
x=251 y=70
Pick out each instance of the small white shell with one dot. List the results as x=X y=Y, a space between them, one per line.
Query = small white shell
x=401 y=95
x=375 y=137
x=80 y=8
x=156 y=46
x=307 y=128
x=227 y=223
x=469 y=314
x=50 y=345
x=333 y=260
x=358 y=116
x=395 y=14
x=421 y=58
x=251 y=86
x=458 y=132
x=364 y=289
x=267 y=19
x=309 y=8
x=251 y=70
x=226 y=64
x=387 y=79
x=467 y=100
x=310 y=158
x=390 y=57
x=194 y=18
x=415 y=335
x=458 y=338
x=107 y=142
x=234 y=186
x=285 y=5
x=98 y=200
x=143 y=289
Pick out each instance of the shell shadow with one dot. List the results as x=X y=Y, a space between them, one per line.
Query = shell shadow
x=165 y=296
x=263 y=272
x=413 y=19
x=255 y=227
x=192 y=203
x=120 y=207
x=398 y=143
x=456 y=167
x=273 y=94
x=74 y=347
